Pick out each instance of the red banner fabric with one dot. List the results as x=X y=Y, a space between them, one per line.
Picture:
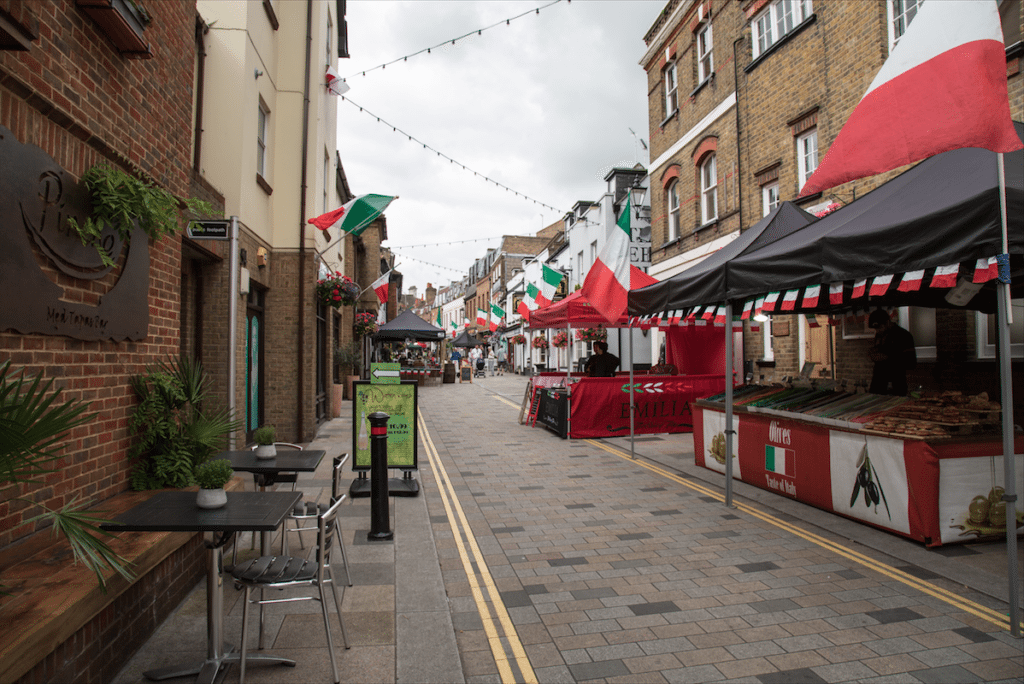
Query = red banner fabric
x=600 y=406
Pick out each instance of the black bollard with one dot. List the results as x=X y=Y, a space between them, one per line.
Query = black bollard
x=380 y=518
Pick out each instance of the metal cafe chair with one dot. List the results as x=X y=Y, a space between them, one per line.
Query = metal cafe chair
x=261 y=481
x=285 y=572
x=305 y=514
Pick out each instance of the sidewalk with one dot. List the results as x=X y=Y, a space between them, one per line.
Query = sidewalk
x=531 y=558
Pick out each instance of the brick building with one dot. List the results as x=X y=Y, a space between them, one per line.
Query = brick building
x=745 y=97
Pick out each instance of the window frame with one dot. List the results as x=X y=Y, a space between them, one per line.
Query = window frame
x=705 y=52
x=985 y=348
x=674 y=225
x=796 y=10
x=708 y=191
x=671 y=93
x=803 y=172
x=766 y=204
x=262 y=148
x=893 y=16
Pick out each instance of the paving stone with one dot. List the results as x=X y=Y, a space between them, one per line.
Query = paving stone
x=653 y=608
x=601 y=670
x=798 y=676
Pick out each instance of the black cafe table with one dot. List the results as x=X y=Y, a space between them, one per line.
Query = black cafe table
x=268 y=469
x=176 y=511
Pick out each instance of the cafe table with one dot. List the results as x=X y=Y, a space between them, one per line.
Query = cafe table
x=268 y=469
x=176 y=511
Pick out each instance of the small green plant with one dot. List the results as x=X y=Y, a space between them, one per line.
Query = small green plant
x=119 y=199
x=347 y=356
x=176 y=427
x=264 y=435
x=32 y=425
x=214 y=474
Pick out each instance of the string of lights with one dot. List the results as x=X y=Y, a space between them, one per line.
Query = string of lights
x=406 y=257
x=395 y=129
x=452 y=41
x=452 y=242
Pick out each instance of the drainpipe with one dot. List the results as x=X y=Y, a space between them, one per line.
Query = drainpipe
x=739 y=153
x=300 y=412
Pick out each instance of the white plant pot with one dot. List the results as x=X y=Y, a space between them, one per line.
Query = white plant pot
x=211 y=498
x=266 y=451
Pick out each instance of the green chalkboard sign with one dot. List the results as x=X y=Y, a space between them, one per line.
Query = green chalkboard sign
x=399 y=402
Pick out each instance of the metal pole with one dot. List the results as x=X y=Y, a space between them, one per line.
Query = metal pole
x=380 y=518
x=632 y=406
x=1006 y=390
x=233 y=327
x=728 y=404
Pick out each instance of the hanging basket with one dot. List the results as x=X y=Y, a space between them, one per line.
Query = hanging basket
x=365 y=324
x=592 y=334
x=539 y=342
x=337 y=290
x=560 y=340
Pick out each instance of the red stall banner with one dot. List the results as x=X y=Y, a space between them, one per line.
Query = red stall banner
x=600 y=406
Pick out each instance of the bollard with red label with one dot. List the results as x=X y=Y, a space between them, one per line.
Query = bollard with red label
x=380 y=518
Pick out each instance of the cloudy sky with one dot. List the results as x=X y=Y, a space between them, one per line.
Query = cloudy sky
x=543 y=106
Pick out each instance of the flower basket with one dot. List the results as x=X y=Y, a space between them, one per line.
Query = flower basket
x=592 y=334
x=560 y=340
x=539 y=342
x=337 y=290
x=518 y=339
x=365 y=324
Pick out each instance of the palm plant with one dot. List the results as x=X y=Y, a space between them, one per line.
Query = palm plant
x=176 y=429
x=32 y=426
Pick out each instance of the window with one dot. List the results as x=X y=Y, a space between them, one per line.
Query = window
x=705 y=58
x=708 y=191
x=593 y=252
x=807 y=154
x=987 y=333
x=261 y=139
x=901 y=13
x=920 y=321
x=776 y=21
x=769 y=198
x=327 y=177
x=673 y=211
x=768 y=337
x=671 y=94
x=327 y=41
x=579 y=267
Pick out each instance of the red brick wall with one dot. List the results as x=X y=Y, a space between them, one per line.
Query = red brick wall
x=75 y=97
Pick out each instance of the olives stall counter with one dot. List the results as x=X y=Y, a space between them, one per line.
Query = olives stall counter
x=936 y=490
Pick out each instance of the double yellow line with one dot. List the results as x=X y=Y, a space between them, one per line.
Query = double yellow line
x=497 y=623
x=976 y=609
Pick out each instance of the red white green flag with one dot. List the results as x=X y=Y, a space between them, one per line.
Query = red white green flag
x=549 y=282
x=607 y=283
x=481 y=317
x=380 y=286
x=354 y=215
x=497 y=313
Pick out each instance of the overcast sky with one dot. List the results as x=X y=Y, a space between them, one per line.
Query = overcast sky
x=543 y=106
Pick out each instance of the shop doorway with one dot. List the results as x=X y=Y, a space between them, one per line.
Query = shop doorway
x=254 y=392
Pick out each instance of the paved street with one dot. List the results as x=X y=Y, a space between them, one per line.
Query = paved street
x=531 y=558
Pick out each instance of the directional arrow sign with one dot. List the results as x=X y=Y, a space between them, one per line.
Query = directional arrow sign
x=385 y=374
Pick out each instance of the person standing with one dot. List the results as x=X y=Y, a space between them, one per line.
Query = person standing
x=501 y=361
x=492 y=362
x=893 y=354
x=603 y=363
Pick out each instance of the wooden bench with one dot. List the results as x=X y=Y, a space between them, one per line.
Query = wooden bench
x=52 y=597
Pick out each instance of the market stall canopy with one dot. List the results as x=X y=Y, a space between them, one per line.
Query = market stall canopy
x=576 y=311
x=705 y=282
x=466 y=340
x=408 y=325
x=943 y=212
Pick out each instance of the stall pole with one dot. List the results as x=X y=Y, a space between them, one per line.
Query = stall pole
x=632 y=430
x=728 y=404
x=1006 y=389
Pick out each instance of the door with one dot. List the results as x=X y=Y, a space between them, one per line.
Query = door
x=817 y=346
x=253 y=361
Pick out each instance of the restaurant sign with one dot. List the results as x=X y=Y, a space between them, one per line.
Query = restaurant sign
x=399 y=402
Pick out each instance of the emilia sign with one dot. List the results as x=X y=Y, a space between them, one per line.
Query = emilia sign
x=399 y=402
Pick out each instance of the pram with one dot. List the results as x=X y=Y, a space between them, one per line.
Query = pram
x=480 y=372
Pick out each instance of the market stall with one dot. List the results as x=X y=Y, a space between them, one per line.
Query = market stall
x=585 y=407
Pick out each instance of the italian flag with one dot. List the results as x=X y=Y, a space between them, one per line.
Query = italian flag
x=497 y=313
x=549 y=282
x=780 y=461
x=353 y=216
x=607 y=283
x=380 y=286
x=439 y=324
x=481 y=317
x=943 y=87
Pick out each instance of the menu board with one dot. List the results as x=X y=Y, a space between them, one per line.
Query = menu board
x=399 y=402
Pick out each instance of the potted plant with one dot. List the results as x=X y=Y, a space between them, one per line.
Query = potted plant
x=211 y=477
x=336 y=290
x=265 y=436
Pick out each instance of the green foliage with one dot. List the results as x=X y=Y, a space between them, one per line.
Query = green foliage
x=214 y=474
x=176 y=431
x=265 y=434
x=119 y=199
x=32 y=425
x=348 y=356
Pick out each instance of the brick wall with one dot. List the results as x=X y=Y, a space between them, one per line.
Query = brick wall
x=78 y=99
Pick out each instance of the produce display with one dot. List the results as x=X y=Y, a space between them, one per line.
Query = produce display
x=931 y=416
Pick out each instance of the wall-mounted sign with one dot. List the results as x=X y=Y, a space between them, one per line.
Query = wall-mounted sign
x=208 y=230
